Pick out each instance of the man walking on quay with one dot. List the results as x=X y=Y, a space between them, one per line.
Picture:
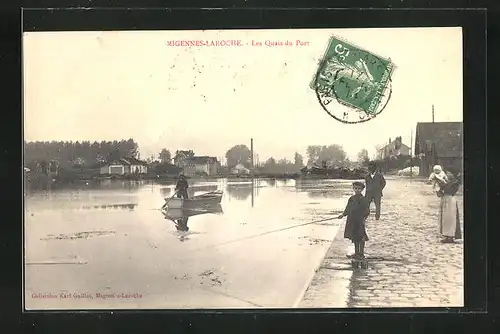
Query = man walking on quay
x=375 y=183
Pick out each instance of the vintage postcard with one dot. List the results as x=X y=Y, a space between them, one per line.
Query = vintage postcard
x=294 y=168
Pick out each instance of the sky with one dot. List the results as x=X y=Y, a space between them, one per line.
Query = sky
x=132 y=84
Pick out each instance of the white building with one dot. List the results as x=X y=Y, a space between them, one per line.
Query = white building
x=201 y=166
x=124 y=166
x=239 y=169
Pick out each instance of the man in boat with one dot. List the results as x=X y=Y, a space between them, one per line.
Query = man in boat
x=181 y=186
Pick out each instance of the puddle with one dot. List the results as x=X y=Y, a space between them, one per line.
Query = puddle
x=78 y=235
x=337 y=266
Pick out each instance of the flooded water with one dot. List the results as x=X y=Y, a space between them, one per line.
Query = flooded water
x=259 y=250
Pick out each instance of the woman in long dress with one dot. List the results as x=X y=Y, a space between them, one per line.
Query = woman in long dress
x=449 y=218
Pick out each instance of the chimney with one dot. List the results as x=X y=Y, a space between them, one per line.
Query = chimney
x=432 y=113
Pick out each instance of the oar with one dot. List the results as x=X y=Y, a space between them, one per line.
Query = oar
x=164 y=205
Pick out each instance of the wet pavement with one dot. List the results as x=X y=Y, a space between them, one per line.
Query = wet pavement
x=109 y=246
x=408 y=265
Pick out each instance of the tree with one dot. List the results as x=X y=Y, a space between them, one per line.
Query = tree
x=313 y=153
x=164 y=156
x=114 y=155
x=239 y=154
x=81 y=154
x=363 y=156
x=270 y=165
x=132 y=148
x=298 y=160
x=378 y=152
x=332 y=154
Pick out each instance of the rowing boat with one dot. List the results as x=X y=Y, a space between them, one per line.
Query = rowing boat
x=203 y=200
x=176 y=214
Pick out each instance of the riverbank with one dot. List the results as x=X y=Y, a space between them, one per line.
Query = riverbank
x=408 y=265
x=45 y=182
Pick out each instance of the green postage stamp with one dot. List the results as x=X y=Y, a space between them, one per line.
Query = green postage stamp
x=355 y=78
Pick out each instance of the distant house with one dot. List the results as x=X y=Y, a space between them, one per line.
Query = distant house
x=124 y=166
x=181 y=157
x=439 y=143
x=201 y=165
x=393 y=148
x=239 y=169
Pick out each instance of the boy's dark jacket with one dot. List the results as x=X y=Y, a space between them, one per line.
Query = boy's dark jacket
x=357 y=210
x=375 y=185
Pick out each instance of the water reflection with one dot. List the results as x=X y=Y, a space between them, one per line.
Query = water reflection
x=94 y=184
x=329 y=193
x=129 y=206
x=112 y=184
x=324 y=188
x=176 y=214
x=240 y=192
x=205 y=188
x=166 y=192
x=180 y=218
x=271 y=182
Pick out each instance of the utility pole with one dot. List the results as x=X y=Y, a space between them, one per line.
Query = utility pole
x=411 y=155
x=251 y=156
x=252 y=169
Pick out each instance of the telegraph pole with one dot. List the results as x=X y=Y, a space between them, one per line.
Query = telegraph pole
x=252 y=169
x=411 y=155
x=251 y=156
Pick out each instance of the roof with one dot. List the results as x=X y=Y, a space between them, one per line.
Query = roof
x=126 y=162
x=393 y=146
x=445 y=136
x=185 y=153
x=134 y=161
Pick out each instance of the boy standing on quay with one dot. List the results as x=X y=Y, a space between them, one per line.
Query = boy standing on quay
x=375 y=183
x=356 y=211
